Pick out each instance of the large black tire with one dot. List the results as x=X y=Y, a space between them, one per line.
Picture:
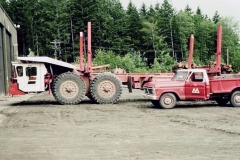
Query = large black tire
x=222 y=102
x=235 y=99
x=168 y=101
x=106 y=88
x=69 y=88
x=89 y=95
x=156 y=103
x=91 y=98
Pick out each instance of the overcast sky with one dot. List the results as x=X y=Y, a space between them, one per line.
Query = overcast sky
x=226 y=8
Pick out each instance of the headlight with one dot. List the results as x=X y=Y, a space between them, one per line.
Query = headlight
x=149 y=90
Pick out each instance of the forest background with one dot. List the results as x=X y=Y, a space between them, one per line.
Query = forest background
x=148 y=39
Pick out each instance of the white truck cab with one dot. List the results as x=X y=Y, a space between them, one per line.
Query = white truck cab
x=30 y=76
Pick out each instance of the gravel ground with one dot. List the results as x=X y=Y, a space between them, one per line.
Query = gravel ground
x=41 y=129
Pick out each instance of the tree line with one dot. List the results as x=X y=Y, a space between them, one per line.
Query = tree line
x=158 y=33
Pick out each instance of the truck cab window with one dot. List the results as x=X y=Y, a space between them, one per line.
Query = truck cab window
x=196 y=77
x=31 y=71
x=180 y=76
x=19 y=71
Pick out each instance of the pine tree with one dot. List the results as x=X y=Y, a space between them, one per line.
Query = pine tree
x=151 y=13
x=118 y=27
x=216 y=17
x=188 y=10
x=166 y=14
x=184 y=28
x=19 y=11
x=199 y=13
x=114 y=28
x=4 y=4
x=153 y=40
x=134 y=27
x=230 y=42
x=143 y=11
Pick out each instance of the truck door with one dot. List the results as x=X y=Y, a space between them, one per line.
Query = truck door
x=195 y=87
x=29 y=78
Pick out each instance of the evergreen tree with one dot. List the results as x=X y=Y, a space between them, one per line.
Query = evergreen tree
x=230 y=42
x=166 y=14
x=188 y=10
x=4 y=4
x=118 y=27
x=216 y=17
x=151 y=12
x=143 y=11
x=19 y=11
x=134 y=27
x=153 y=40
x=205 y=43
x=184 y=28
x=199 y=12
x=155 y=30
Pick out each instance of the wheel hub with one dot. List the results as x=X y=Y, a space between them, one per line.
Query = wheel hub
x=107 y=89
x=69 y=89
x=167 y=101
x=237 y=98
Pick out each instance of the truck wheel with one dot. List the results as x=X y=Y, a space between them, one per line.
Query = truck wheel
x=69 y=88
x=106 y=88
x=222 y=102
x=168 y=101
x=156 y=103
x=235 y=99
x=90 y=97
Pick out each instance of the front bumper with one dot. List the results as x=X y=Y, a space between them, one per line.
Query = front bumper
x=150 y=96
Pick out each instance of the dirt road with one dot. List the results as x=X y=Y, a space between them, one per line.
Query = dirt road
x=41 y=129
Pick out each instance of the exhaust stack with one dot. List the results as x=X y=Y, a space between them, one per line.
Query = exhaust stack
x=219 y=50
x=190 y=57
x=89 y=53
x=81 y=52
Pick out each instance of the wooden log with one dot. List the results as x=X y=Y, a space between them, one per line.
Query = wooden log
x=179 y=65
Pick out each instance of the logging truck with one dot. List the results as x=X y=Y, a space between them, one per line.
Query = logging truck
x=196 y=84
x=69 y=84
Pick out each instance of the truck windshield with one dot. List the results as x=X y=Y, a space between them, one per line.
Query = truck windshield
x=180 y=76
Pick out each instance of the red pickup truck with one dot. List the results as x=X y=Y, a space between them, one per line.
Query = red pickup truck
x=194 y=84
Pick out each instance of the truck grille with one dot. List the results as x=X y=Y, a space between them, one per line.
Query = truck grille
x=149 y=90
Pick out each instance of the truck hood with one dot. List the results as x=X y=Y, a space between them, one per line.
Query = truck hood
x=165 y=84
